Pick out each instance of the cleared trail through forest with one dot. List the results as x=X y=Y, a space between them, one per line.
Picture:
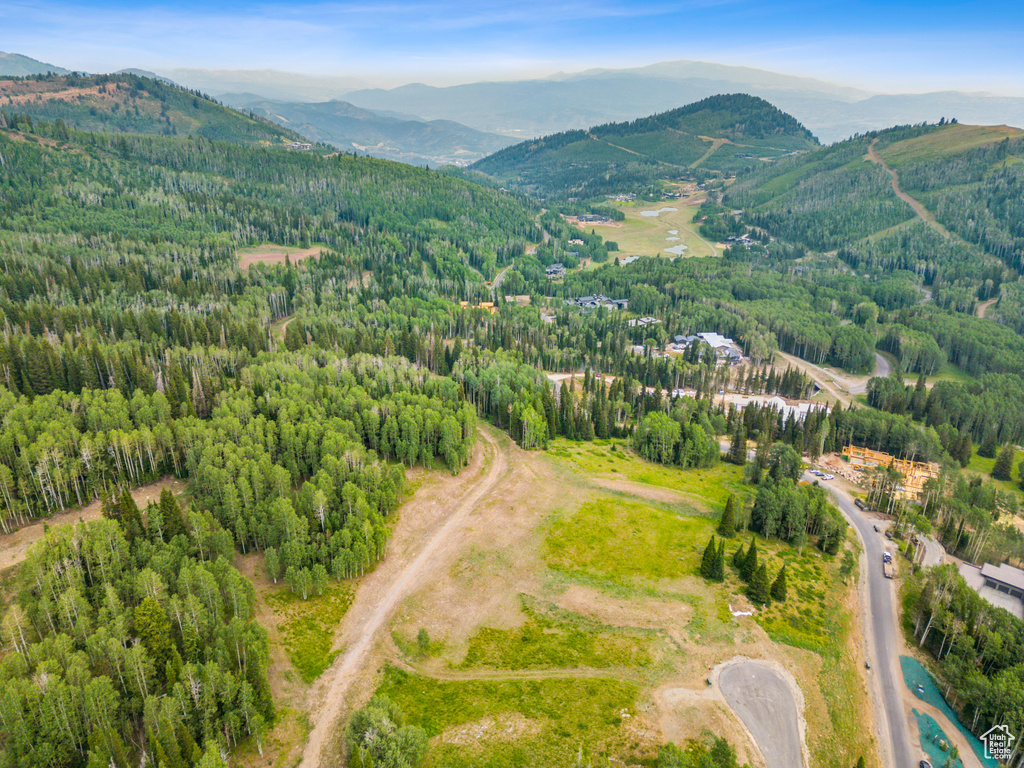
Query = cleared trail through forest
x=923 y=213
x=983 y=307
x=376 y=600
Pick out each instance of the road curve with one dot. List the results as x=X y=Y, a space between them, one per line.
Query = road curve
x=762 y=699
x=881 y=626
x=348 y=663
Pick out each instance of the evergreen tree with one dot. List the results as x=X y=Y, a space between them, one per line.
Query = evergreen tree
x=759 y=589
x=174 y=520
x=1003 y=468
x=129 y=516
x=779 y=586
x=727 y=528
x=718 y=569
x=738 y=558
x=707 y=565
x=990 y=445
x=738 y=448
x=963 y=451
x=749 y=567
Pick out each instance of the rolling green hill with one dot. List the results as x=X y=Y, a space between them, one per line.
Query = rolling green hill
x=722 y=133
x=965 y=242
x=16 y=65
x=128 y=103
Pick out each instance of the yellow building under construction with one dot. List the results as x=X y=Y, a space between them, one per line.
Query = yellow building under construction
x=915 y=473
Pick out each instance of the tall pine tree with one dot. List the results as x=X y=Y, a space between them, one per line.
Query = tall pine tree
x=779 y=586
x=738 y=449
x=727 y=528
x=718 y=568
x=759 y=590
x=1003 y=468
x=708 y=563
x=749 y=567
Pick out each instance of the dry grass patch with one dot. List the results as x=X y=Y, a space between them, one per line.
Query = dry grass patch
x=270 y=253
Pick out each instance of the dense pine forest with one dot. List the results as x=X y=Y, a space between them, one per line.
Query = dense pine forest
x=293 y=396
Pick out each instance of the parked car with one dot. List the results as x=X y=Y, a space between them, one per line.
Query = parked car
x=876 y=529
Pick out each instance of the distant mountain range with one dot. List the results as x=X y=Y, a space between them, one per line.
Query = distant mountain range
x=408 y=140
x=720 y=133
x=525 y=109
x=529 y=108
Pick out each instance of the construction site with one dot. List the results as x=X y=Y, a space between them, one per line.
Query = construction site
x=915 y=473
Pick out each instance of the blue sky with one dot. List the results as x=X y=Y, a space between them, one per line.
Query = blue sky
x=880 y=46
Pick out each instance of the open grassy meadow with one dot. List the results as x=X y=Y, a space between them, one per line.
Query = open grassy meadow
x=627 y=542
x=518 y=723
x=983 y=466
x=703 y=491
x=651 y=235
x=578 y=634
x=307 y=626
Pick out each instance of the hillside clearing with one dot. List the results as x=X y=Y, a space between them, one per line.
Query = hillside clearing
x=270 y=253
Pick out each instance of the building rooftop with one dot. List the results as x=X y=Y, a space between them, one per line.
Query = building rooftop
x=1004 y=573
x=716 y=340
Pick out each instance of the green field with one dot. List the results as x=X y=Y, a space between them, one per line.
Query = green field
x=706 y=489
x=983 y=467
x=625 y=542
x=551 y=638
x=307 y=626
x=518 y=723
x=645 y=236
x=948 y=140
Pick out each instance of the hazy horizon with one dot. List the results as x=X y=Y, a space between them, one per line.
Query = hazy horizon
x=875 y=46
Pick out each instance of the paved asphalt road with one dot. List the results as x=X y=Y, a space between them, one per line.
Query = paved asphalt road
x=763 y=701
x=881 y=624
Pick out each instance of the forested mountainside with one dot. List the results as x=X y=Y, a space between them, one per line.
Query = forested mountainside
x=139 y=340
x=728 y=132
x=970 y=180
x=127 y=103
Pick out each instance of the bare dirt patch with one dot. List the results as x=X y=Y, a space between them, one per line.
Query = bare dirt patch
x=983 y=307
x=508 y=727
x=642 y=613
x=14 y=546
x=19 y=95
x=432 y=529
x=275 y=254
x=585 y=224
x=644 y=491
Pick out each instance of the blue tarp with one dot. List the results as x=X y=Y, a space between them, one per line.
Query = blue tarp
x=914 y=674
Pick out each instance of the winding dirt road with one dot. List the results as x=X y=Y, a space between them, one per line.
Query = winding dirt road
x=379 y=595
x=922 y=213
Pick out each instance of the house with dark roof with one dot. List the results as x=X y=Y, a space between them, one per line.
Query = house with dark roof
x=1004 y=578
